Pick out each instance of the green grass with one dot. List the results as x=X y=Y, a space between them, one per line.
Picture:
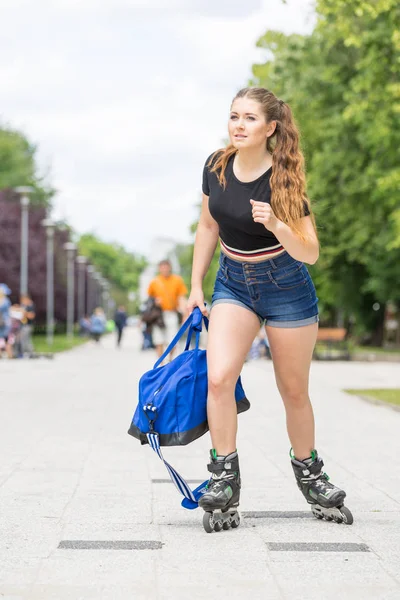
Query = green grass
x=60 y=343
x=365 y=349
x=391 y=396
x=378 y=350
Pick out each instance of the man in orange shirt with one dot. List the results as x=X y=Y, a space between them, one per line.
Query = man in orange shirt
x=169 y=292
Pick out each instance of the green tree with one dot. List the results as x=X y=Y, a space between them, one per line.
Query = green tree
x=120 y=267
x=343 y=84
x=18 y=166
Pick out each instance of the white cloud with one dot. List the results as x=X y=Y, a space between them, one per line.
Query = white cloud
x=148 y=8
x=127 y=98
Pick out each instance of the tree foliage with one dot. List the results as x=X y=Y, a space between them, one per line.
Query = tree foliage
x=116 y=264
x=343 y=83
x=10 y=257
x=18 y=166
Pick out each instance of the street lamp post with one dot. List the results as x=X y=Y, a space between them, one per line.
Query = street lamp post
x=107 y=298
x=103 y=294
x=24 y=192
x=70 y=248
x=90 y=271
x=81 y=260
x=97 y=279
x=49 y=225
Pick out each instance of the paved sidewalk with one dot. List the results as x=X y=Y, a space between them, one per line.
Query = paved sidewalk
x=72 y=481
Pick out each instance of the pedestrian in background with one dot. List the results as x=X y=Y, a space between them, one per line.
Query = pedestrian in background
x=18 y=316
x=84 y=326
x=120 y=319
x=170 y=293
x=27 y=324
x=97 y=324
x=5 y=319
x=150 y=315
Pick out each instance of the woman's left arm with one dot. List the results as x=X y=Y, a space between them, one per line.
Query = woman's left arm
x=307 y=251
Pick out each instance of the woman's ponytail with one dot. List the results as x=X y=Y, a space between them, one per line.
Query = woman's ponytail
x=288 y=182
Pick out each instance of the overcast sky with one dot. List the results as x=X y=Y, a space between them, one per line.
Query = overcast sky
x=127 y=98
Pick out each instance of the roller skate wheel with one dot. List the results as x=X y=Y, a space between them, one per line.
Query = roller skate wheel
x=218 y=526
x=346 y=514
x=235 y=521
x=208 y=522
x=338 y=520
x=226 y=525
x=316 y=512
x=328 y=518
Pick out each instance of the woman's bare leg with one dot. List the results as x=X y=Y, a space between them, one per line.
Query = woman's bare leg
x=231 y=332
x=292 y=351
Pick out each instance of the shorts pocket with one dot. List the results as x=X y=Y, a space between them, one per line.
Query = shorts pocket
x=290 y=278
x=236 y=276
x=222 y=275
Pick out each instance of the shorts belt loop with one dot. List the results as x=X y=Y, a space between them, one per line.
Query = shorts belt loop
x=272 y=263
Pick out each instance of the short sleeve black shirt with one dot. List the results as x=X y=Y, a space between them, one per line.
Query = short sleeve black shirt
x=231 y=208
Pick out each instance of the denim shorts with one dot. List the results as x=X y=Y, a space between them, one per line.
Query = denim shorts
x=278 y=290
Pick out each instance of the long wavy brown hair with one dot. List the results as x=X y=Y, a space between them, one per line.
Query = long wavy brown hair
x=288 y=181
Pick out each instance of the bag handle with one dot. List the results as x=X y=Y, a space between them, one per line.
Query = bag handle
x=194 y=321
x=192 y=329
x=191 y=497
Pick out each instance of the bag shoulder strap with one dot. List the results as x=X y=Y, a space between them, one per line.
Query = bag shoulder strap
x=174 y=341
x=191 y=497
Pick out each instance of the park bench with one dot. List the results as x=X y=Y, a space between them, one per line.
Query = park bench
x=48 y=355
x=332 y=344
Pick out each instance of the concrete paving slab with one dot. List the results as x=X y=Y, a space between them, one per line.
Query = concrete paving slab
x=332 y=576
x=134 y=568
x=69 y=471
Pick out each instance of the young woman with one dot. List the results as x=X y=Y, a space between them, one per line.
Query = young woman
x=5 y=320
x=255 y=204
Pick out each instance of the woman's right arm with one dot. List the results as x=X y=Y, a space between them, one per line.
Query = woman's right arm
x=204 y=247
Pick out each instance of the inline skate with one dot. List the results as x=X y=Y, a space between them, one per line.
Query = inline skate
x=221 y=497
x=326 y=500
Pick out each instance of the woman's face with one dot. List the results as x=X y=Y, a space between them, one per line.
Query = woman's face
x=247 y=126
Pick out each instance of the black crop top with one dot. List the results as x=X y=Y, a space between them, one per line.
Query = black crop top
x=232 y=210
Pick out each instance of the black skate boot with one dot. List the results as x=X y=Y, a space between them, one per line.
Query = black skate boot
x=326 y=500
x=221 y=498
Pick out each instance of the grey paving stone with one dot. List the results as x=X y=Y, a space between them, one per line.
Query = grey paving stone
x=276 y=514
x=123 y=568
x=351 y=576
x=109 y=545
x=316 y=547
x=69 y=471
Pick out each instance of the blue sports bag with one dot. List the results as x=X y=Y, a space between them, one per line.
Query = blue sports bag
x=173 y=398
x=172 y=408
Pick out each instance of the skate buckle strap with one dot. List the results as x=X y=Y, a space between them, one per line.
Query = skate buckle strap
x=191 y=497
x=312 y=470
x=219 y=467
